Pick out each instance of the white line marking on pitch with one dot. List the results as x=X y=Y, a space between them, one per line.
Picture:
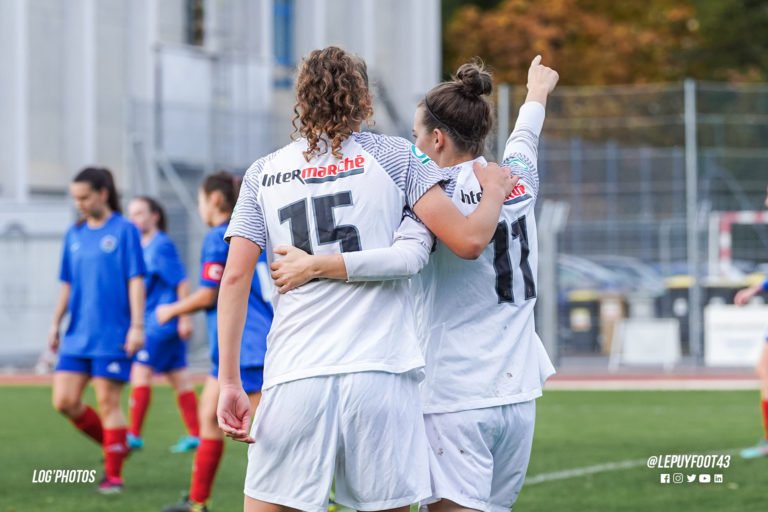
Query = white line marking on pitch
x=608 y=466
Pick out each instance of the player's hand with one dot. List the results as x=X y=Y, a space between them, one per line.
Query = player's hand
x=184 y=328
x=743 y=296
x=541 y=77
x=234 y=413
x=292 y=270
x=494 y=177
x=134 y=340
x=54 y=340
x=163 y=314
x=766 y=197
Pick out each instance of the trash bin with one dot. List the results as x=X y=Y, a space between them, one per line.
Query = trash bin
x=583 y=321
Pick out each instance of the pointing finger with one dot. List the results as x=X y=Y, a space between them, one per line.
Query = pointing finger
x=536 y=61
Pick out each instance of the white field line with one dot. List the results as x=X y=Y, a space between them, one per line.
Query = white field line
x=587 y=470
x=653 y=384
x=610 y=466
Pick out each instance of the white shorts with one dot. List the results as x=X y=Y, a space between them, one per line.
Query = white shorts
x=366 y=427
x=478 y=458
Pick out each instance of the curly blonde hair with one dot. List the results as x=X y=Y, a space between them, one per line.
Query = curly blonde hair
x=332 y=97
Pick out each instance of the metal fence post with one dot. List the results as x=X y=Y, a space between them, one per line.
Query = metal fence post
x=692 y=231
x=502 y=120
x=552 y=219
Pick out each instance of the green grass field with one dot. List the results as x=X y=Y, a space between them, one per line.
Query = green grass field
x=574 y=430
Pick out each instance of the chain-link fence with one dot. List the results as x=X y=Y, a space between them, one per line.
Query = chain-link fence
x=617 y=157
x=614 y=158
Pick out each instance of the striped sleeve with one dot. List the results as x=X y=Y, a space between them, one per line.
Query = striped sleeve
x=521 y=151
x=247 y=217
x=409 y=168
x=451 y=174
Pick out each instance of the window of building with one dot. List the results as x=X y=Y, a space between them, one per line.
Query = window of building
x=283 y=32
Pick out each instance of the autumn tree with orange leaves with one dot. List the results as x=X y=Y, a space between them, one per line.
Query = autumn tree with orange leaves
x=589 y=42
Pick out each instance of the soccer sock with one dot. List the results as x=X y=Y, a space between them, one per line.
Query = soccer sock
x=765 y=417
x=188 y=407
x=139 y=404
x=204 y=469
x=90 y=424
x=115 y=450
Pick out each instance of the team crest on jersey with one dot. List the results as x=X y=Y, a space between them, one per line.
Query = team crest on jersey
x=74 y=247
x=420 y=155
x=108 y=243
x=317 y=174
x=517 y=164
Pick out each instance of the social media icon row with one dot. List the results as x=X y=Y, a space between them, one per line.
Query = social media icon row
x=679 y=477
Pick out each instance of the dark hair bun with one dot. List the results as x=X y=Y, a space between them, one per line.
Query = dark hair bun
x=474 y=79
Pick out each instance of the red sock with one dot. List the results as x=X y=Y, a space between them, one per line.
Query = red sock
x=139 y=403
x=90 y=424
x=204 y=469
x=115 y=450
x=765 y=417
x=188 y=407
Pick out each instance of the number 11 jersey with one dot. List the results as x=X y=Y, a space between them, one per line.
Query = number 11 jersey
x=329 y=206
x=477 y=324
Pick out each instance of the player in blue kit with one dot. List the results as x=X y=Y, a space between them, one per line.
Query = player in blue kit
x=165 y=350
x=742 y=298
x=102 y=271
x=216 y=200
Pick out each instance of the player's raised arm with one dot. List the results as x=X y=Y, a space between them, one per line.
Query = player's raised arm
x=521 y=150
x=541 y=82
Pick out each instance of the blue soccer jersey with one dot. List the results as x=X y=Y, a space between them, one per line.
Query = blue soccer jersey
x=259 y=318
x=97 y=264
x=165 y=272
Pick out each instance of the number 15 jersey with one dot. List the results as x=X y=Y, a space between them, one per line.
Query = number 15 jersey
x=329 y=206
x=477 y=322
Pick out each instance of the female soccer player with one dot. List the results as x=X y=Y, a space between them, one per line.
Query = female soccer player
x=742 y=297
x=343 y=364
x=215 y=200
x=102 y=271
x=478 y=395
x=165 y=350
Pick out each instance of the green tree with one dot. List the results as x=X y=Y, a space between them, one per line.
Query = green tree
x=734 y=41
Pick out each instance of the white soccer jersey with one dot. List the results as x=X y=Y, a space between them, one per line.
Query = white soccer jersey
x=328 y=206
x=476 y=322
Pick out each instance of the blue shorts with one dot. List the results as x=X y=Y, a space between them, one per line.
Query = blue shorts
x=252 y=377
x=164 y=355
x=115 y=368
